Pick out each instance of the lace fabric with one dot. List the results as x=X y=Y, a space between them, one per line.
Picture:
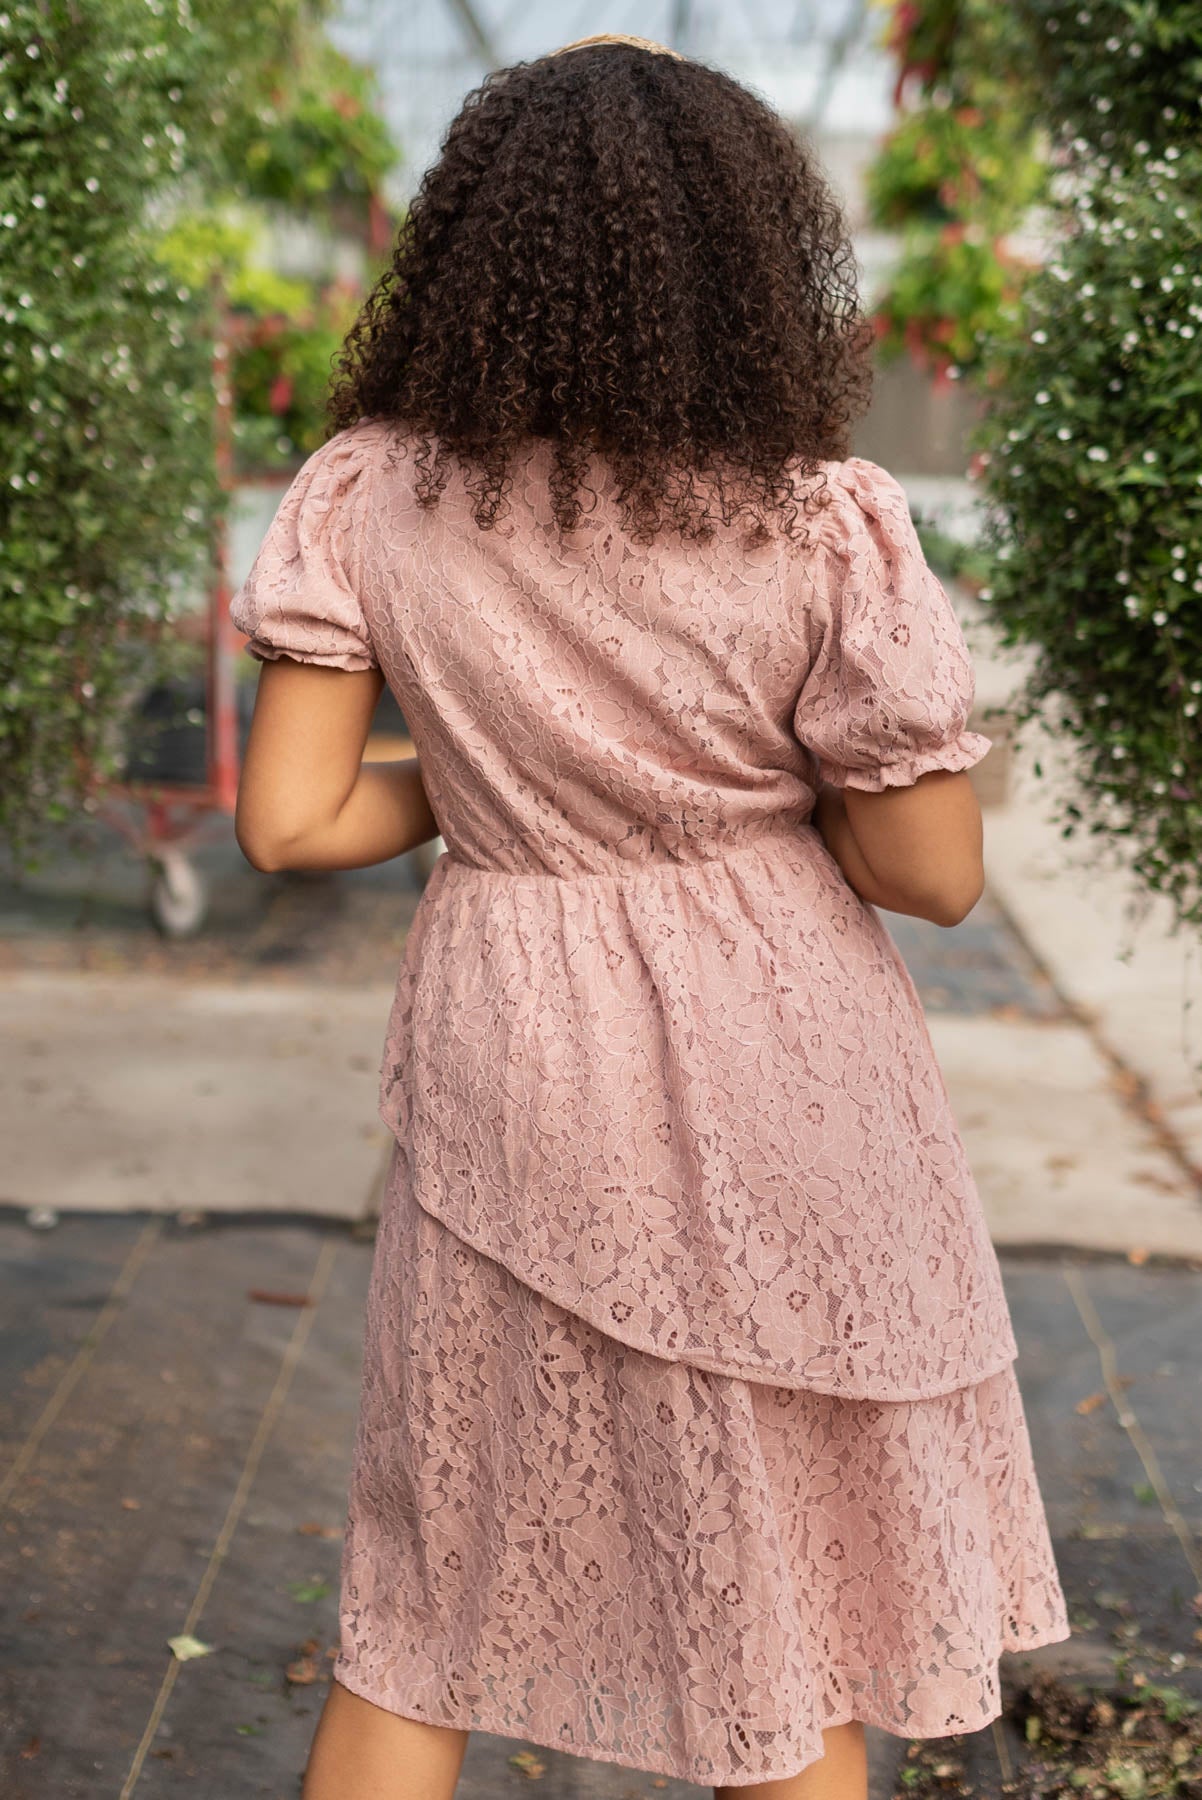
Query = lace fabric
x=648 y=1048
x=557 y=1538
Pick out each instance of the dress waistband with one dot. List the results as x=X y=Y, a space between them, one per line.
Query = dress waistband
x=796 y=832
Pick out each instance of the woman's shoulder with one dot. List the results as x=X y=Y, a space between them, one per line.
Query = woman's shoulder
x=864 y=494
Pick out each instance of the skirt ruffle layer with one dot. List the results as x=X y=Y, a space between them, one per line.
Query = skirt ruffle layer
x=555 y=1537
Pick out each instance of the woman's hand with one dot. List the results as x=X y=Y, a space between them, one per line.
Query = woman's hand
x=306 y=798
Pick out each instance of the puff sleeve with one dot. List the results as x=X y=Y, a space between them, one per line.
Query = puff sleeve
x=301 y=597
x=891 y=685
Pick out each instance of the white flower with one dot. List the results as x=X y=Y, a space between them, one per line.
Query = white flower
x=1177 y=552
x=1150 y=456
x=1136 y=280
x=38 y=200
x=1160 y=617
x=1122 y=578
x=1096 y=453
x=1088 y=289
x=1117 y=750
x=1042 y=397
x=1039 y=337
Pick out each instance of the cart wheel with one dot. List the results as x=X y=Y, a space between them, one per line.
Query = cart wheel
x=178 y=897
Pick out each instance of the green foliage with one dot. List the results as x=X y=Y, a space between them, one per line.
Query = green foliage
x=1092 y=457
x=318 y=138
x=283 y=333
x=113 y=117
x=282 y=364
x=106 y=480
x=948 y=294
x=957 y=174
x=1115 y=71
x=944 y=163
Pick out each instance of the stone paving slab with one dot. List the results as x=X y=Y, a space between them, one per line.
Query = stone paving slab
x=136 y=1092
x=181 y=1458
x=1058 y=1153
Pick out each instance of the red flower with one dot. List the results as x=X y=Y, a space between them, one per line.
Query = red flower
x=280 y=398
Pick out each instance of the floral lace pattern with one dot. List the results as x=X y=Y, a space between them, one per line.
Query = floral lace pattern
x=556 y=1538
x=689 y=1423
x=648 y=1048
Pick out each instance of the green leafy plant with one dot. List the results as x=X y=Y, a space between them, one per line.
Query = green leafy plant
x=318 y=137
x=107 y=487
x=1091 y=461
x=283 y=334
x=956 y=175
x=944 y=162
x=948 y=294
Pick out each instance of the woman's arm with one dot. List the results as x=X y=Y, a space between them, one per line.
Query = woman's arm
x=306 y=799
x=914 y=849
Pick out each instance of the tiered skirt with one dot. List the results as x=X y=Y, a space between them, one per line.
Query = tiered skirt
x=558 y=1538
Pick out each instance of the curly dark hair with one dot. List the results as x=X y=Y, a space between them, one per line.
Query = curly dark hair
x=630 y=254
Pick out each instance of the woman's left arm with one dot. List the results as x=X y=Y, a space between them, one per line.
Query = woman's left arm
x=306 y=798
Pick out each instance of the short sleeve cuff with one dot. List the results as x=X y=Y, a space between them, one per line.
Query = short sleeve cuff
x=271 y=643
x=963 y=751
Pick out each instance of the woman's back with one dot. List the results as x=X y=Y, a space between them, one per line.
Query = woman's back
x=649 y=1049
x=585 y=705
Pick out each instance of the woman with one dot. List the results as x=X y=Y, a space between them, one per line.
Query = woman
x=689 y=1436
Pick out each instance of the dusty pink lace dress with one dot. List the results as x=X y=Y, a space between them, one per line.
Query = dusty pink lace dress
x=689 y=1424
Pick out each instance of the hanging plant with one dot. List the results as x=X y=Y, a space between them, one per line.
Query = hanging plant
x=1090 y=457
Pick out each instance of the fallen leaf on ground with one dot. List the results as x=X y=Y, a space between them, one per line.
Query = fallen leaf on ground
x=307 y=1591
x=267 y=1297
x=529 y=1764
x=30 y=1749
x=1137 y=1256
x=321 y=1531
x=132 y=1505
x=1091 y=1402
x=185 y=1647
x=302 y=1672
